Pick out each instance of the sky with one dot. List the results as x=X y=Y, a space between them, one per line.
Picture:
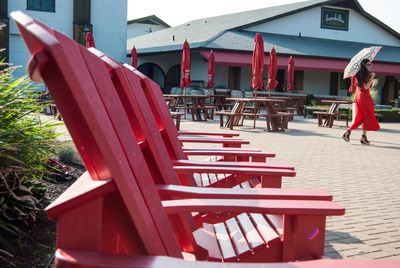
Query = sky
x=176 y=12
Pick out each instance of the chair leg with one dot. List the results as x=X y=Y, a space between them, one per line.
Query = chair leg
x=230 y=122
x=268 y=121
x=285 y=122
x=178 y=121
x=211 y=114
x=221 y=120
x=330 y=121
x=319 y=120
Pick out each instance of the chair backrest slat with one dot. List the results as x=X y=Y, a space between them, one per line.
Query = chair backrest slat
x=162 y=115
x=78 y=77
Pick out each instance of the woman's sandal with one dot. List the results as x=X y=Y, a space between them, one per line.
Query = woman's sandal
x=364 y=139
x=346 y=136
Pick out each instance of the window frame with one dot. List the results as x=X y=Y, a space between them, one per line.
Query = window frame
x=32 y=5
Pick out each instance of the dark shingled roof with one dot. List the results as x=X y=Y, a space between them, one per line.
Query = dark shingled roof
x=300 y=46
x=225 y=33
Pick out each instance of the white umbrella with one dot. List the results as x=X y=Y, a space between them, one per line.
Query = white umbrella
x=354 y=65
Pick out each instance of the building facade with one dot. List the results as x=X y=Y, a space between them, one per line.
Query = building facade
x=322 y=36
x=145 y=25
x=73 y=18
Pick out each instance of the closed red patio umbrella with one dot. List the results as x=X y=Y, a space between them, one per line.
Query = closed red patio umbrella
x=134 y=57
x=272 y=70
x=89 y=40
x=290 y=74
x=257 y=63
x=185 y=65
x=211 y=70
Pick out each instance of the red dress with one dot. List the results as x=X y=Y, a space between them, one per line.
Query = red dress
x=365 y=113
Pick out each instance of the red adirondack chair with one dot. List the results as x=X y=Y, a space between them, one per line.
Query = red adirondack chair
x=170 y=134
x=141 y=119
x=117 y=209
x=73 y=258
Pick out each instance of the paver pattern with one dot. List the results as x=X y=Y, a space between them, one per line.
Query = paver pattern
x=363 y=179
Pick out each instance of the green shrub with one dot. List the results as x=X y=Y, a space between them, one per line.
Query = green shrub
x=389 y=115
x=67 y=154
x=26 y=143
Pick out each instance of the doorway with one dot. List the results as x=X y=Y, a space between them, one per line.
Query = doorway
x=172 y=78
x=154 y=72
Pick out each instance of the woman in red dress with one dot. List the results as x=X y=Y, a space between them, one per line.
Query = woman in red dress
x=364 y=105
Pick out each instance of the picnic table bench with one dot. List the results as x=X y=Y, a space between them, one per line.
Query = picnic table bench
x=195 y=104
x=177 y=116
x=275 y=120
x=326 y=118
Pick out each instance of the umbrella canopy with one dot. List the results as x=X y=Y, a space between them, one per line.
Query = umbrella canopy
x=185 y=65
x=354 y=65
x=257 y=63
x=290 y=74
x=134 y=57
x=272 y=69
x=89 y=40
x=211 y=70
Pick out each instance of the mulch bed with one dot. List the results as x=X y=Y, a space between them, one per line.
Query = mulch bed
x=37 y=250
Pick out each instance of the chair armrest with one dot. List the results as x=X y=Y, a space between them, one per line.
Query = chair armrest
x=231 y=164
x=225 y=149
x=229 y=193
x=225 y=135
x=275 y=207
x=235 y=170
x=228 y=141
x=229 y=153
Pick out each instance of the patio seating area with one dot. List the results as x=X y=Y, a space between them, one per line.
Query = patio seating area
x=139 y=201
x=361 y=178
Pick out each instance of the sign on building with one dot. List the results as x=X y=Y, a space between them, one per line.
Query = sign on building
x=337 y=19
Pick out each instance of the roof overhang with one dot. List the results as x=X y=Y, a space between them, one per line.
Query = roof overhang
x=301 y=63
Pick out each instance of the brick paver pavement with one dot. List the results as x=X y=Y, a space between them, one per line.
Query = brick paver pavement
x=363 y=179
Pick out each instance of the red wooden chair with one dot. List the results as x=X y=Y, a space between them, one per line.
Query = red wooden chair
x=73 y=258
x=170 y=134
x=141 y=119
x=117 y=209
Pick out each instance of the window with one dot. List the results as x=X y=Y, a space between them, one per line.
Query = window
x=41 y=5
x=344 y=84
x=234 y=78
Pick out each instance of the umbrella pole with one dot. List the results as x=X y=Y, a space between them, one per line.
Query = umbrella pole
x=184 y=101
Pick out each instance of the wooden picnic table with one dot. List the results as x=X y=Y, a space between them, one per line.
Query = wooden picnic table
x=276 y=121
x=220 y=101
x=196 y=105
x=331 y=113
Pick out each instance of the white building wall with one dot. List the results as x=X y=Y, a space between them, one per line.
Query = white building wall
x=221 y=75
x=245 y=79
x=60 y=20
x=199 y=68
x=308 y=23
x=316 y=83
x=137 y=29
x=109 y=27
